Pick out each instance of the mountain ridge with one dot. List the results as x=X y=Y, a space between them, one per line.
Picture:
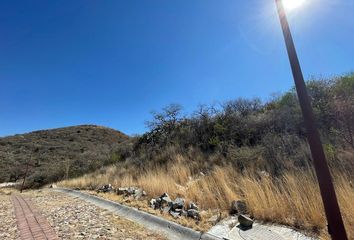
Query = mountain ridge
x=57 y=153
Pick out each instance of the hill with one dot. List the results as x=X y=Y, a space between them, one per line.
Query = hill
x=245 y=149
x=57 y=153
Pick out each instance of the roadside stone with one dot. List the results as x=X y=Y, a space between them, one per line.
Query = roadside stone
x=164 y=197
x=175 y=214
x=122 y=191
x=105 y=188
x=166 y=209
x=245 y=221
x=153 y=203
x=184 y=213
x=158 y=203
x=193 y=213
x=165 y=200
x=138 y=193
x=178 y=203
x=131 y=190
x=179 y=210
x=192 y=205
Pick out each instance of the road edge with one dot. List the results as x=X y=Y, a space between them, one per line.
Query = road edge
x=171 y=230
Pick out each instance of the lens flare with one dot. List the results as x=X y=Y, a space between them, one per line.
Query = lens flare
x=292 y=4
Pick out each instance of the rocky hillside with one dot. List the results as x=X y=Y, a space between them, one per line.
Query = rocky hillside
x=57 y=153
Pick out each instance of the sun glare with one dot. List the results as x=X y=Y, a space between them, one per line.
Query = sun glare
x=292 y=4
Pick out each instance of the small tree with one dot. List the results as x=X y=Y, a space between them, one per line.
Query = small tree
x=164 y=124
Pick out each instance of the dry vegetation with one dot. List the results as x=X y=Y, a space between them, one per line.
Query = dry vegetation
x=292 y=199
x=244 y=149
x=56 y=153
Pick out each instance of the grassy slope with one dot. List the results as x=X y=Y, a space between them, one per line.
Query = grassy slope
x=292 y=199
x=247 y=150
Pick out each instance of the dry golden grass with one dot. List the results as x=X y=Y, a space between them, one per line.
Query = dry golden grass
x=8 y=191
x=292 y=199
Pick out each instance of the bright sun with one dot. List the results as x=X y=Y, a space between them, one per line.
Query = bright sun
x=292 y=4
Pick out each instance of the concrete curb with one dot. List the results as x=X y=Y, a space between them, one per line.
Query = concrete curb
x=170 y=229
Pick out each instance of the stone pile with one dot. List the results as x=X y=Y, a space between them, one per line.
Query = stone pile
x=176 y=208
x=134 y=192
x=105 y=188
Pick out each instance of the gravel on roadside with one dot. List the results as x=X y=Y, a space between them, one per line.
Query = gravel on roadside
x=8 y=225
x=73 y=218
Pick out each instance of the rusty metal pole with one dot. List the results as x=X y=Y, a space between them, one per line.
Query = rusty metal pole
x=335 y=223
x=27 y=165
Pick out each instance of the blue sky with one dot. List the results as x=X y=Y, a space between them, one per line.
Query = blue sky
x=110 y=63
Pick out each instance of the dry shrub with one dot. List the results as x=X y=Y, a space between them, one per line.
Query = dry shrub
x=292 y=199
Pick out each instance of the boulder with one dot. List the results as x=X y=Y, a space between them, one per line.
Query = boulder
x=105 y=188
x=166 y=209
x=131 y=190
x=138 y=193
x=122 y=191
x=158 y=203
x=192 y=205
x=165 y=200
x=179 y=210
x=178 y=203
x=245 y=222
x=164 y=195
x=175 y=214
x=193 y=213
x=238 y=207
x=184 y=213
x=153 y=203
